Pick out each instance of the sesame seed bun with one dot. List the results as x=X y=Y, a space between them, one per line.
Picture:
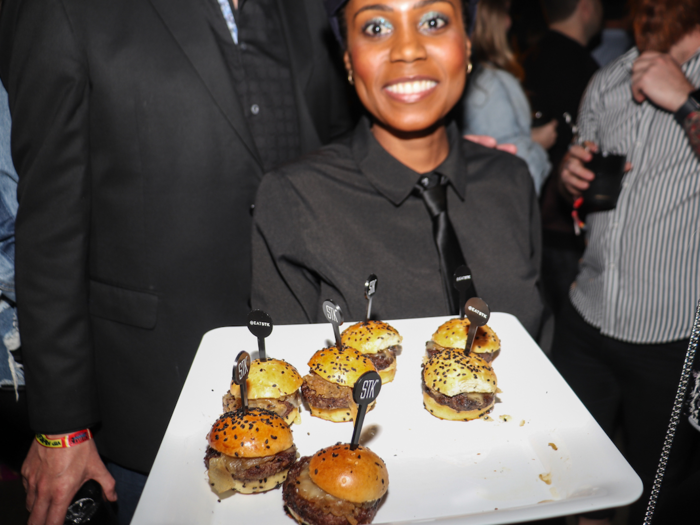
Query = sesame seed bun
x=370 y=337
x=451 y=373
x=250 y=434
x=272 y=378
x=453 y=334
x=356 y=475
x=340 y=366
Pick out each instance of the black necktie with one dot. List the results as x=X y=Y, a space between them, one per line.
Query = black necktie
x=433 y=190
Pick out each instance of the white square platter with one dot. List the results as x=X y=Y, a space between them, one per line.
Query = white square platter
x=541 y=455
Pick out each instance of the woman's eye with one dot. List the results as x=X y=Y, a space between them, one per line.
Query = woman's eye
x=432 y=21
x=377 y=27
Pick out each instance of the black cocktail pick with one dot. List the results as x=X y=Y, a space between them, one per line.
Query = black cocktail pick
x=334 y=316
x=260 y=325
x=365 y=391
x=478 y=313
x=370 y=290
x=240 y=375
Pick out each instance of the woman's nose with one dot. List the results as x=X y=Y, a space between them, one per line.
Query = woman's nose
x=407 y=46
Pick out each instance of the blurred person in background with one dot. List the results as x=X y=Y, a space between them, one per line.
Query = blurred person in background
x=616 y=36
x=557 y=71
x=622 y=339
x=14 y=443
x=495 y=103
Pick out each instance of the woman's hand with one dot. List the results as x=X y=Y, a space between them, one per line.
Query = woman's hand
x=545 y=135
x=491 y=142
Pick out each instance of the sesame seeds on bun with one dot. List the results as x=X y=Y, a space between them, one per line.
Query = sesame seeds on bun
x=342 y=366
x=370 y=337
x=451 y=373
x=272 y=378
x=453 y=334
x=250 y=434
x=458 y=387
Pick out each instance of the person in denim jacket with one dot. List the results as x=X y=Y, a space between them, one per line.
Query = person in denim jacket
x=11 y=373
x=494 y=102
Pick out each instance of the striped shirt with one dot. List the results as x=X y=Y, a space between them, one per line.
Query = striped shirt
x=639 y=279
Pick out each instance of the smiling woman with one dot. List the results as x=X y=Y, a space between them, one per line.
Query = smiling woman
x=356 y=207
x=409 y=63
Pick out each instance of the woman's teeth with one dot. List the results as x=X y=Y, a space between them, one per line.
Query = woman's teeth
x=411 y=88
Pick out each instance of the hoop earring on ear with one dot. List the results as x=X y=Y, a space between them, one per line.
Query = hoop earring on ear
x=350 y=79
x=469 y=67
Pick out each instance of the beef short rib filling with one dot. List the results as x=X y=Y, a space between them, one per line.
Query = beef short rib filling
x=462 y=402
x=282 y=406
x=316 y=507
x=383 y=359
x=252 y=469
x=320 y=393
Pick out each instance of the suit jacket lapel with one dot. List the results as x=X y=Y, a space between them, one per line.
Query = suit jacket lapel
x=189 y=27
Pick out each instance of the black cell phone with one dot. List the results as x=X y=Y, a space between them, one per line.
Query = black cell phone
x=90 y=507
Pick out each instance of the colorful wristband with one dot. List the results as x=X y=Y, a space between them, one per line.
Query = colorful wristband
x=69 y=440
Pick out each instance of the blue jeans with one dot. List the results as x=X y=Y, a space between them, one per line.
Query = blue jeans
x=129 y=488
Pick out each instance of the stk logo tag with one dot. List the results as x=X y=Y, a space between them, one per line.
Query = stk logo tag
x=242 y=369
x=330 y=313
x=372 y=287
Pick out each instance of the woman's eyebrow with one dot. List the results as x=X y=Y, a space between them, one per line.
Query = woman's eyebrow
x=423 y=3
x=373 y=7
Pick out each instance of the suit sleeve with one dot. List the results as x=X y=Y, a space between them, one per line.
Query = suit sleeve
x=49 y=92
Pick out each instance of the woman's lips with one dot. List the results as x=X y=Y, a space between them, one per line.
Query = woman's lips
x=410 y=90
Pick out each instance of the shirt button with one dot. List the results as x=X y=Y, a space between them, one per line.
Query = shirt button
x=252 y=209
x=255 y=109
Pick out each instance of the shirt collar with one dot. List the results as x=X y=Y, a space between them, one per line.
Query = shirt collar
x=395 y=180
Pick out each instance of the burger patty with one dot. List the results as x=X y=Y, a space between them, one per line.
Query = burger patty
x=383 y=359
x=245 y=469
x=327 y=510
x=320 y=393
x=433 y=348
x=462 y=402
x=282 y=406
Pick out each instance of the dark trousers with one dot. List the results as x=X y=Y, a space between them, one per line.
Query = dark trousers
x=632 y=386
x=130 y=485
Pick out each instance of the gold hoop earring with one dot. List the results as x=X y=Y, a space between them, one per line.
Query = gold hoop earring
x=350 y=79
x=469 y=67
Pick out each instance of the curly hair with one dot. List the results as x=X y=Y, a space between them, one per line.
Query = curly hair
x=659 y=24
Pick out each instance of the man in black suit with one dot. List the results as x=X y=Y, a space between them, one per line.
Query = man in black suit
x=141 y=131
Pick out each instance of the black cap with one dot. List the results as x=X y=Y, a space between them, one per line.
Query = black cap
x=333 y=6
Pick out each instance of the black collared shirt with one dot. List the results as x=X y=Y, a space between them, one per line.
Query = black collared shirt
x=259 y=66
x=326 y=222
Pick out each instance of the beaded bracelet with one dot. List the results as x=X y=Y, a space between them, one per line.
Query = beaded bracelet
x=69 y=440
